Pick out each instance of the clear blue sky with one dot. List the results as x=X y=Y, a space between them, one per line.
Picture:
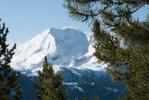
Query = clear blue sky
x=26 y=18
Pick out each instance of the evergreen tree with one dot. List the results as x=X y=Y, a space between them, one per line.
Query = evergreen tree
x=121 y=41
x=49 y=85
x=18 y=95
x=9 y=79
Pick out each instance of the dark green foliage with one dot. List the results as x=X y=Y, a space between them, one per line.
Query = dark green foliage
x=49 y=85
x=121 y=41
x=18 y=92
x=9 y=79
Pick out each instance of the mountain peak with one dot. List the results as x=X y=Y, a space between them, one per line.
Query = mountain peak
x=61 y=46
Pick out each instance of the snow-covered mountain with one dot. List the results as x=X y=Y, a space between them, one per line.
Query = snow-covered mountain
x=65 y=47
x=70 y=51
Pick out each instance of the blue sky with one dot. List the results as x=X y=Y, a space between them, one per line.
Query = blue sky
x=26 y=18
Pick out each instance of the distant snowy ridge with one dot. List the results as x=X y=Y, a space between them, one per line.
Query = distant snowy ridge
x=66 y=47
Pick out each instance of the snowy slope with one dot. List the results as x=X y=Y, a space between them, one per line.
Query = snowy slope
x=70 y=51
x=65 y=47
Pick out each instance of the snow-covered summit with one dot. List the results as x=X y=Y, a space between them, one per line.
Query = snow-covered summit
x=65 y=47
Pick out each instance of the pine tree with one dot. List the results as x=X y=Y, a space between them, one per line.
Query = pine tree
x=18 y=95
x=9 y=79
x=122 y=42
x=49 y=85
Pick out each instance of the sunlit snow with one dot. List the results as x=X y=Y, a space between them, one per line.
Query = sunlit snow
x=66 y=47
